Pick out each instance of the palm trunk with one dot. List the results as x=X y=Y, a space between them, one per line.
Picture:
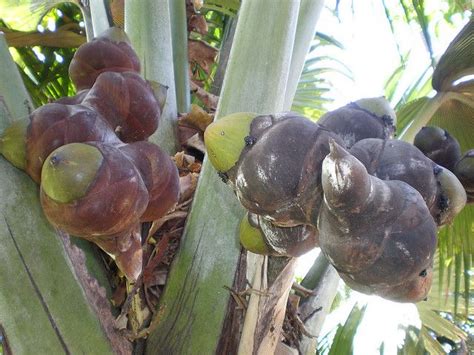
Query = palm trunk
x=148 y=24
x=195 y=303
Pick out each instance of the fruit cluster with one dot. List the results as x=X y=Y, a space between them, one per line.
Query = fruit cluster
x=441 y=147
x=99 y=176
x=371 y=203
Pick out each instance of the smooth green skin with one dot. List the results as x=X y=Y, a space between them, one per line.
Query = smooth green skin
x=251 y=238
x=69 y=171
x=225 y=139
x=379 y=106
x=13 y=143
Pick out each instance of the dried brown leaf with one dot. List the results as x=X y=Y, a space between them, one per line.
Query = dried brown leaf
x=198 y=24
x=188 y=185
x=196 y=118
x=192 y=126
x=195 y=167
x=156 y=225
x=158 y=278
x=184 y=133
x=118 y=13
x=160 y=250
x=208 y=99
x=201 y=53
x=183 y=161
x=196 y=142
x=119 y=295
x=60 y=38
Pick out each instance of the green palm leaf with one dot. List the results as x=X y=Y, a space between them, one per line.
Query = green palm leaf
x=314 y=83
x=24 y=15
x=343 y=340
x=457 y=61
x=228 y=7
x=452 y=108
x=43 y=57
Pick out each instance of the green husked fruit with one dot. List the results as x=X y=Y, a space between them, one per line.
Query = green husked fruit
x=225 y=139
x=69 y=171
x=13 y=143
x=379 y=106
x=252 y=238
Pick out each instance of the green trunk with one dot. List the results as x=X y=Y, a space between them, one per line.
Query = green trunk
x=194 y=304
x=179 y=32
x=148 y=24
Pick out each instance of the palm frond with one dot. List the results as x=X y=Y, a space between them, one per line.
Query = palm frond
x=457 y=61
x=423 y=22
x=24 y=15
x=412 y=344
x=227 y=7
x=343 y=335
x=314 y=86
x=44 y=70
x=390 y=20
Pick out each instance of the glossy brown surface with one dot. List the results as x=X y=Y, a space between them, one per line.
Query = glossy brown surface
x=126 y=247
x=398 y=160
x=113 y=204
x=54 y=125
x=127 y=102
x=289 y=241
x=438 y=145
x=382 y=241
x=464 y=170
x=159 y=174
x=278 y=174
x=353 y=124
x=73 y=100
x=99 y=55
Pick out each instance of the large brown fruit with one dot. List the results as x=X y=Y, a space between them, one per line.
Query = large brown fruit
x=393 y=159
x=160 y=176
x=73 y=100
x=289 y=241
x=438 y=145
x=464 y=170
x=278 y=175
x=127 y=102
x=109 y=195
x=261 y=236
x=378 y=234
x=111 y=51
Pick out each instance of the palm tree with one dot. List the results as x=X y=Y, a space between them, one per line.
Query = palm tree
x=195 y=315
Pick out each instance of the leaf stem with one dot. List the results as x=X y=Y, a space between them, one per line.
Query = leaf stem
x=425 y=115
